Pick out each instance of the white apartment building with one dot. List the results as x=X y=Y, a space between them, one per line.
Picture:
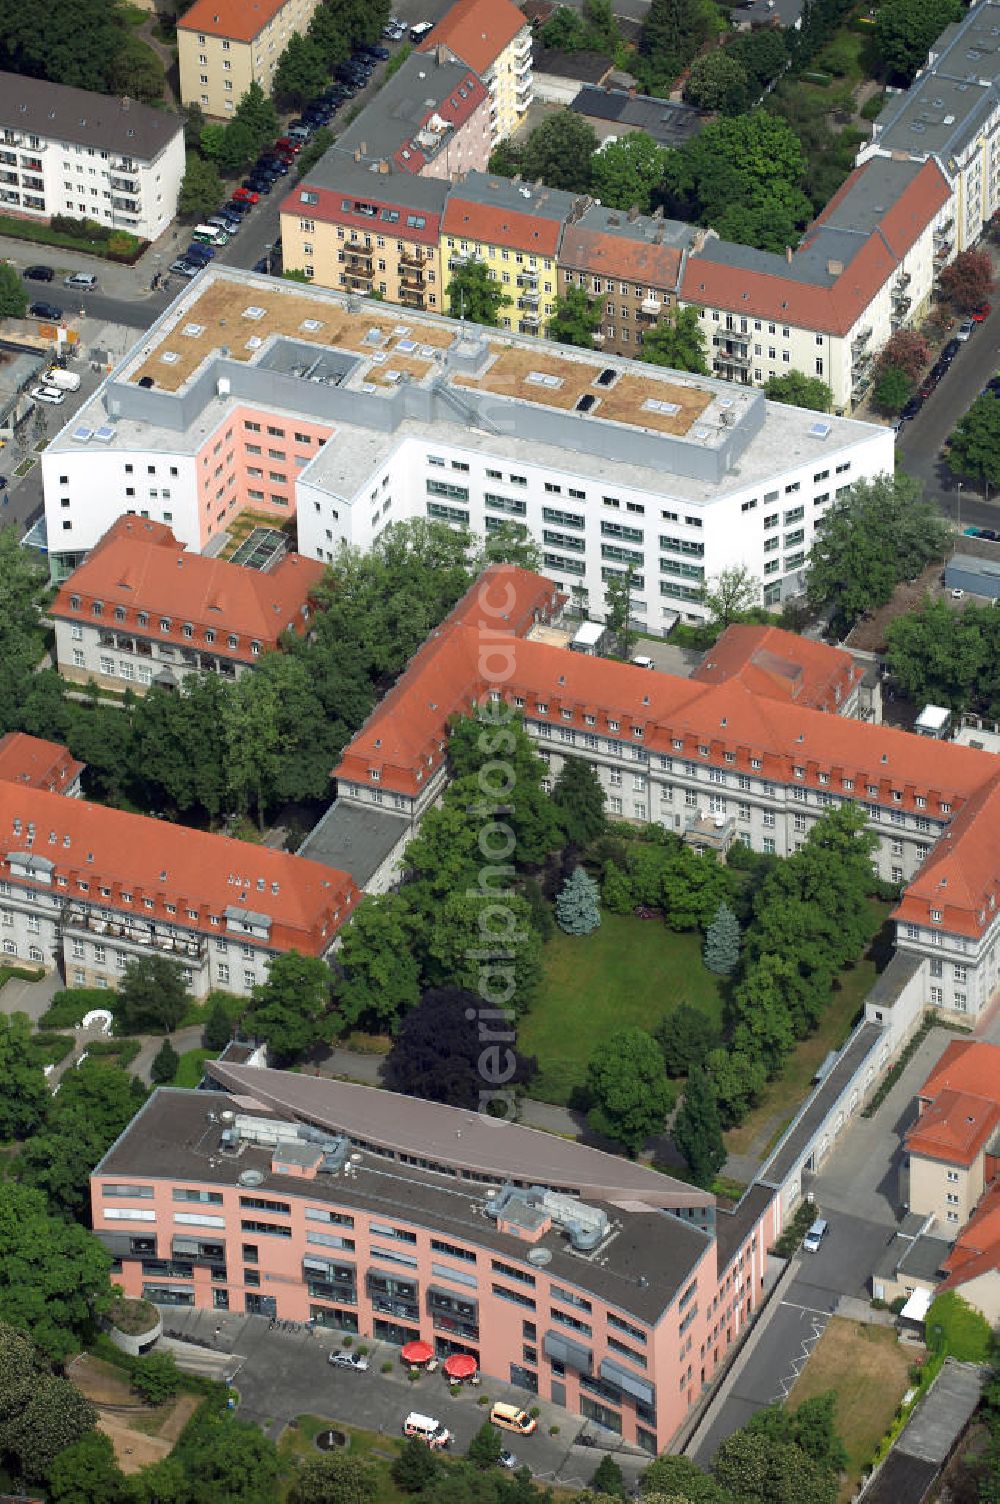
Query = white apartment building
x=354 y=416
x=68 y=151
x=864 y=269
x=951 y=115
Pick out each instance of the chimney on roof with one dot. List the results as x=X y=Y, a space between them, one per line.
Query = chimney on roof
x=383 y=165
x=788 y=254
x=698 y=242
x=633 y=214
x=614 y=219
x=658 y=212
x=357 y=154
x=439 y=55
x=834 y=268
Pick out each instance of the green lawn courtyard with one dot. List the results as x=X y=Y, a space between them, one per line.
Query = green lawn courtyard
x=628 y=973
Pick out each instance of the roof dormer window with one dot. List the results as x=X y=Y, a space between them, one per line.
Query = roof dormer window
x=935 y=916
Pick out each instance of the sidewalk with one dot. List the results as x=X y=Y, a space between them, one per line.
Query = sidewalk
x=115 y=279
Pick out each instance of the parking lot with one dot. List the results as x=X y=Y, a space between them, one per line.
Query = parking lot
x=282 y=1374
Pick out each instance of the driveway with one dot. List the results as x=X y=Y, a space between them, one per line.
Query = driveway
x=284 y=1374
x=32 y=998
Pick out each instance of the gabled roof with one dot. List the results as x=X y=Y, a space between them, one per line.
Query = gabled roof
x=845 y=257
x=960 y=878
x=605 y=243
x=61 y=113
x=498 y=211
x=84 y=848
x=477 y=31
x=781 y=665
x=954 y=1128
x=38 y=764
x=976 y=1250
x=239 y=20
x=139 y=566
x=967 y=1065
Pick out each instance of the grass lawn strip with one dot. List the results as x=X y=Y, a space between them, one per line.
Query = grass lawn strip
x=298 y=1444
x=628 y=973
x=868 y=1370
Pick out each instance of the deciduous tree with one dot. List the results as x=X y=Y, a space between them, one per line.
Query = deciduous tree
x=152 y=995
x=905 y=29
x=908 y=351
x=13 y=297
x=731 y=595
x=53 y=1274
x=87 y=1473
x=719 y=81
x=291 y=1010
x=439 y=1053
x=893 y=389
x=559 y=152
x=677 y=341
x=974 y=448
x=24 y=1095
x=628 y=1088
x=301 y=72
x=380 y=978
x=738 y=1081
x=476 y=295
x=800 y=391
x=685 y=1036
x=626 y=171
x=968 y=281
x=339 y=1479
x=881 y=532
x=575 y=318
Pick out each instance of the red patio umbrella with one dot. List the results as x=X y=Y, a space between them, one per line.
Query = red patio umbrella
x=417 y=1352
x=460 y=1366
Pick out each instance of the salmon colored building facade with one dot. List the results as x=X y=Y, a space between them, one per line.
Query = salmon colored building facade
x=588 y=1280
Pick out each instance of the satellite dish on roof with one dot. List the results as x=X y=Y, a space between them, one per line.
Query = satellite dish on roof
x=540 y=1257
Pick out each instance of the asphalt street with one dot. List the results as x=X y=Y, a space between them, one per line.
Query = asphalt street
x=920 y=443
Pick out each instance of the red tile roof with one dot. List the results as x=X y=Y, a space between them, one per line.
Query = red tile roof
x=477 y=31
x=954 y=1128
x=960 y=878
x=329 y=207
x=457 y=109
x=140 y=566
x=781 y=666
x=92 y=848
x=239 y=20
x=603 y=254
x=976 y=1250
x=967 y=1065
x=835 y=309
x=752 y=710
x=39 y=764
x=499 y=226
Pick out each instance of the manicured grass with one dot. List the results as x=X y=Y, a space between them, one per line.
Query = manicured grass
x=25 y=973
x=189 y=1070
x=628 y=973
x=868 y=1370
x=298 y=1443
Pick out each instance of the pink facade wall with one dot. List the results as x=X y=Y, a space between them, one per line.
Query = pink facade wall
x=467 y=151
x=682 y=1352
x=224 y=467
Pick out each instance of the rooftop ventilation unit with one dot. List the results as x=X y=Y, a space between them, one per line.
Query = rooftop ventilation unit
x=104 y=434
x=253 y=312
x=311 y=326
x=82 y=435
x=251 y=1177
x=193 y=330
x=820 y=430
x=170 y=357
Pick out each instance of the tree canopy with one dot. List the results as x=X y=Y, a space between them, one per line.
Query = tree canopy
x=940 y=656
x=628 y=1088
x=559 y=152
x=968 y=280
x=152 y=995
x=904 y=31
x=974 y=447
x=475 y=294
x=744 y=177
x=53 y=1275
x=291 y=1009
x=677 y=341
x=625 y=172
x=439 y=1053
x=672 y=33
x=575 y=318
x=880 y=532
x=800 y=391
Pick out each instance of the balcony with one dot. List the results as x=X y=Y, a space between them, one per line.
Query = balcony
x=413 y=297
x=358 y=255
x=527 y=279
x=408 y=257
x=710 y=833
x=522 y=46
x=123 y=185
x=358 y=281
x=651 y=305
x=860 y=339
x=861 y=362
x=412 y=277
x=732 y=355
x=133 y=932
x=524 y=86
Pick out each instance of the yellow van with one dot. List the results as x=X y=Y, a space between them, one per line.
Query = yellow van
x=510 y=1418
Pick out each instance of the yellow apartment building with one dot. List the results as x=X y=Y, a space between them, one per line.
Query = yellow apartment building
x=224 y=46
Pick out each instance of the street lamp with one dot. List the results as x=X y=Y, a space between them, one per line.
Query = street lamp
x=267 y=257
x=960 y=506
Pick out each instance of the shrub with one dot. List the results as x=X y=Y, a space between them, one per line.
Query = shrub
x=156 y=1378
x=70 y=1004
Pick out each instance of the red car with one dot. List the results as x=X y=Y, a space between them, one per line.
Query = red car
x=287 y=147
x=981 y=313
x=246 y=196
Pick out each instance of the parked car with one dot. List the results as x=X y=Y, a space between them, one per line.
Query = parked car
x=952 y=348
x=247 y=195
x=965 y=330
x=38 y=273
x=912 y=408
x=508 y=1460
x=981 y=313
x=262 y=266
x=49 y=394
x=259 y=183
x=239 y=207
x=285 y=145
x=197 y=252
x=45 y=311
x=990 y=533
x=357 y=1361
x=81 y=282
x=971 y=532
x=185 y=268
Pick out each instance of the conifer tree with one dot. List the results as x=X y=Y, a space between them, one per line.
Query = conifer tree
x=722 y=942
x=698 y=1130
x=578 y=909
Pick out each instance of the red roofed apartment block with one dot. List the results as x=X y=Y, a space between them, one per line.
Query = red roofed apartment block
x=760 y=739
x=494 y=38
x=38 y=764
x=88 y=889
x=140 y=608
x=953 y=1152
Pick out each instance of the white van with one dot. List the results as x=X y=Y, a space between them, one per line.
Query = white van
x=815 y=1235
x=63 y=381
x=210 y=235
x=418 y=32
x=513 y=1418
x=427 y=1428
x=641 y=661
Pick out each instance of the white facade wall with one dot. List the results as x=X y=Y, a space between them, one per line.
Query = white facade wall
x=111 y=655
x=42 y=176
x=675 y=544
x=87 y=488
